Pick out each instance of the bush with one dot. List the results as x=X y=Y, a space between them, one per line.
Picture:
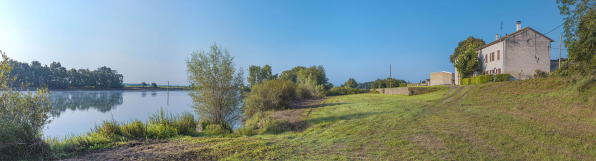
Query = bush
x=29 y=147
x=261 y=123
x=375 y=92
x=540 y=74
x=272 y=95
x=215 y=129
x=185 y=123
x=403 y=85
x=162 y=131
x=503 y=77
x=336 y=91
x=108 y=129
x=23 y=116
x=135 y=129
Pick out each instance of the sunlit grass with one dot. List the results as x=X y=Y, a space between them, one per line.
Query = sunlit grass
x=541 y=119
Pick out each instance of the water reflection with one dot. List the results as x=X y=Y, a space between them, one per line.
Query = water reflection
x=102 y=101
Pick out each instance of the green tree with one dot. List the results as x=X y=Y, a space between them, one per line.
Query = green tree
x=154 y=85
x=467 y=63
x=580 y=34
x=464 y=45
x=143 y=84
x=351 y=83
x=257 y=74
x=217 y=95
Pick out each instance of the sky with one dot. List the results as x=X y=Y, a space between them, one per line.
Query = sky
x=148 y=41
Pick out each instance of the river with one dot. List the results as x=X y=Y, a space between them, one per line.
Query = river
x=76 y=112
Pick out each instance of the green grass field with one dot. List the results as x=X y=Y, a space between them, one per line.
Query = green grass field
x=541 y=119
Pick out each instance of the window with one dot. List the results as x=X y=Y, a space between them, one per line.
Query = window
x=498 y=54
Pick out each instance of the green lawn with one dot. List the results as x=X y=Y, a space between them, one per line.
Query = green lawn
x=542 y=119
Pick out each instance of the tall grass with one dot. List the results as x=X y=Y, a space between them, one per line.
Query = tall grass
x=160 y=125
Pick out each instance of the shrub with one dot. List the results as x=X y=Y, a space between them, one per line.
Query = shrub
x=162 y=131
x=336 y=91
x=375 y=92
x=272 y=95
x=261 y=123
x=540 y=74
x=108 y=129
x=185 y=123
x=403 y=85
x=215 y=129
x=22 y=118
x=135 y=129
x=502 y=77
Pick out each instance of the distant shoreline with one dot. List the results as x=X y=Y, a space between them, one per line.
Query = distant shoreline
x=104 y=89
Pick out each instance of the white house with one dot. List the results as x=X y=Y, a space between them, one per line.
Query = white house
x=518 y=54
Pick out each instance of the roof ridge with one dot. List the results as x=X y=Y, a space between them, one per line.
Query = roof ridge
x=516 y=32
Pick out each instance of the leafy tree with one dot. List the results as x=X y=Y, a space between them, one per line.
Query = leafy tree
x=394 y=82
x=351 y=83
x=154 y=85
x=580 y=34
x=464 y=45
x=379 y=83
x=467 y=63
x=143 y=84
x=365 y=85
x=217 y=86
x=257 y=74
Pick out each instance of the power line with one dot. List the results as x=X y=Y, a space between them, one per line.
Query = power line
x=554 y=29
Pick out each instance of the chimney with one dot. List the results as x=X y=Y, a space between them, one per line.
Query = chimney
x=518 y=25
x=497 y=37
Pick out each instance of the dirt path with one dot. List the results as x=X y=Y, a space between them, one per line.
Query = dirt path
x=295 y=116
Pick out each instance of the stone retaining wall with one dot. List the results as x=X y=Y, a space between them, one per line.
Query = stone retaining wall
x=400 y=90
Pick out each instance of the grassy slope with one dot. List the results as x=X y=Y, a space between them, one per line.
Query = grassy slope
x=534 y=119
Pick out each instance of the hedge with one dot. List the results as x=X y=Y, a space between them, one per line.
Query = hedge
x=503 y=77
x=485 y=79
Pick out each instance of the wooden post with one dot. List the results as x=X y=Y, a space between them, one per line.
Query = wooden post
x=390 y=85
x=560 y=38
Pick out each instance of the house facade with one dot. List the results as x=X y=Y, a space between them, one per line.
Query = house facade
x=518 y=54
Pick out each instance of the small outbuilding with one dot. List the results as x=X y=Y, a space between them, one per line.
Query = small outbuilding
x=442 y=78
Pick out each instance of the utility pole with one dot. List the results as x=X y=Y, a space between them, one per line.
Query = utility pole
x=390 y=85
x=168 y=87
x=560 y=38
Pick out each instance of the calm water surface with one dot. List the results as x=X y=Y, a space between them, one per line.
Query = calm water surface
x=76 y=112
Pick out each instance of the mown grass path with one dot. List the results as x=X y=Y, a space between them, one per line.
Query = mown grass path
x=469 y=123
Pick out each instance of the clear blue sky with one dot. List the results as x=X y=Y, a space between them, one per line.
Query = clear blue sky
x=149 y=40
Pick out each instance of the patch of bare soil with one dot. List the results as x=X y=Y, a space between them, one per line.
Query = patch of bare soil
x=294 y=116
x=143 y=150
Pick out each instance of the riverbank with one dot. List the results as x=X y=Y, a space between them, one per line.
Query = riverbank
x=108 y=89
x=542 y=119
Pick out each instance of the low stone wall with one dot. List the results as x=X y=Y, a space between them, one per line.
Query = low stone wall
x=400 y=90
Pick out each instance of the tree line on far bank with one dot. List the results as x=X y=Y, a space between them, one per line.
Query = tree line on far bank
x=57 y=76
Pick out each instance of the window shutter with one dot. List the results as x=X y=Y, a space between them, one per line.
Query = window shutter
x=486 y=58
x=498 y=54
